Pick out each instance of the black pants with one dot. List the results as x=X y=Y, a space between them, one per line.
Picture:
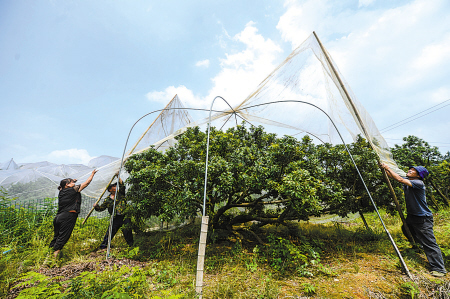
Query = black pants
x=63 y=225
x=118 y=221
x=421 y=228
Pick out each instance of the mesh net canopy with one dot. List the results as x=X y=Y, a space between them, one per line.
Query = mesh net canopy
x=9 y=165
x=305 y=94
x=303 y=90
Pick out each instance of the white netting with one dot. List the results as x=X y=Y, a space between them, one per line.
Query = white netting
x=308 y=74
x=9 y=165
x=101 y=161
x=42 y=179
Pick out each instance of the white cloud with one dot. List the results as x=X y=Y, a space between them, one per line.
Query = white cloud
x=203 y=63
x=240 y=73
x=69 y=156
x=439 y=95
x=433 y=55
x=378 y=48
x=298 y=21
x=243 y=71
x=186 y=95
x=396 y=57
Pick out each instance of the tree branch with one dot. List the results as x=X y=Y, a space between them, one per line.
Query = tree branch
x=252 y=233
x=253 y=203
x=175 y=186
x=439 y=192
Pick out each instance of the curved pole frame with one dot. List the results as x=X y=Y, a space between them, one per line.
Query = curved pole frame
x=405 y=268
x=207 y=158
x=123 y=156
x=207 y=151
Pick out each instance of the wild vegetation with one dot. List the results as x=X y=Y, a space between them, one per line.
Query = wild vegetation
x=306 y=251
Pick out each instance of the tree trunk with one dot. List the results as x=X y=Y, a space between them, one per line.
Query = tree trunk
x=434 y=201
x=363 y=219
x=447 y=201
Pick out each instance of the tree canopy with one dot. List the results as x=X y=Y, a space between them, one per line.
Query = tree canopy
x=253 y=176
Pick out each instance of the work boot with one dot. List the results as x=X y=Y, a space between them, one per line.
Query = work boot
x=437 y=274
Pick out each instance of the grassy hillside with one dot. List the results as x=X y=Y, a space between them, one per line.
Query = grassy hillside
x=334 y=259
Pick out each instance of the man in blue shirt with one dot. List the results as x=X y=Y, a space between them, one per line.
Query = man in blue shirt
x=420 y=218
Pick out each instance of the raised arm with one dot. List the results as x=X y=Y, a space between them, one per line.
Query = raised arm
x=396 y=176
x=88 y=181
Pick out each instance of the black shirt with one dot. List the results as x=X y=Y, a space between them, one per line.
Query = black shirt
x=69 y=199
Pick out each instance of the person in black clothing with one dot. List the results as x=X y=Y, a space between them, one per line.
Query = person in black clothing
x=69 y=203
x=119 y=218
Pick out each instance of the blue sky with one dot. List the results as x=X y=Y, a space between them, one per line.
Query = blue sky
x=76 y=75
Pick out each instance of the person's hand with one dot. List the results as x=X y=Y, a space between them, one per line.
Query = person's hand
x=384 y=166
x=94 y=171
x=95 y=205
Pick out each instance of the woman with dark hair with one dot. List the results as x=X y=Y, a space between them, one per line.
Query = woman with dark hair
x=69 y=203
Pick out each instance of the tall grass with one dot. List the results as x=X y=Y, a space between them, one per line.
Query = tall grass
x=26 y=230
x=21 y=229
x=298 y=260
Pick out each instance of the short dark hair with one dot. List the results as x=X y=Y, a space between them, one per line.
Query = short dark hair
x=111 y=185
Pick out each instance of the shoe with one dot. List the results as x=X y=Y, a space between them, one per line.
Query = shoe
x=437 y=274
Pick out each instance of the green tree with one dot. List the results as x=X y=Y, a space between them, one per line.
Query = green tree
x=441 y=178
x=339 y=168
x=252 y=176
x=416 y=151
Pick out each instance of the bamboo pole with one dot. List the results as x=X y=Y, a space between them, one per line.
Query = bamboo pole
x=355 y=111
x=134 y=147
x=201 y=256
x=90 y=212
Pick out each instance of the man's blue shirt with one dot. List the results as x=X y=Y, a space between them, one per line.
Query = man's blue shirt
x=416 y=202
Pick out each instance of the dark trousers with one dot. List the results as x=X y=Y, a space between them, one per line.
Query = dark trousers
x=63 y=225
x=421 y=228
x=118 y=221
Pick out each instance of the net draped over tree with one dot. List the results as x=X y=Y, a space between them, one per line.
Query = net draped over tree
x=305 y=75
x=42 y=179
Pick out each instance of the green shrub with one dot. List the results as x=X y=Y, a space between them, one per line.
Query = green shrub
x=42 y=286
x=409 y=290
x=113 y=283
x=107 y=283
x=284 y=256
x=309 y=289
